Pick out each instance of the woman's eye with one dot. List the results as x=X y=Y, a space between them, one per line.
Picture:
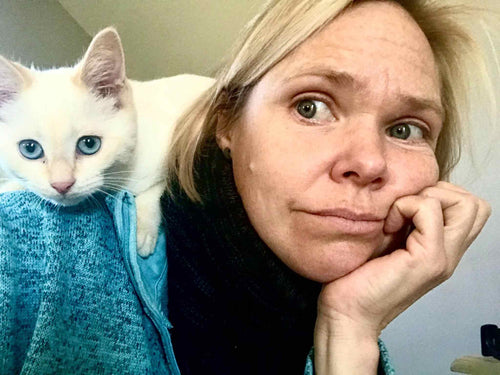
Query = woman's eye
x=88 y=145
x=314 y=110
x=406 y=131
x=30 y=149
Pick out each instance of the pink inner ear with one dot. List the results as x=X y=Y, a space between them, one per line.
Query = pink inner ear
x=104 y=65
x=103 y=75
x=11 y=81
x=107 y=80
x=5 y=96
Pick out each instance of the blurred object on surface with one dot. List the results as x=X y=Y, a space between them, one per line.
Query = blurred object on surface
x=476 y=365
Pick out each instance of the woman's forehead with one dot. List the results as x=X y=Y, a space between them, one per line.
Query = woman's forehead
x=372 y=45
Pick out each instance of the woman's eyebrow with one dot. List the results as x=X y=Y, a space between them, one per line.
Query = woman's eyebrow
x=349 y=81
x=422 y=104
x=336 y=77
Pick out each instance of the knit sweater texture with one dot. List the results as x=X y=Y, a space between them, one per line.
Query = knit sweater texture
x=67 y=305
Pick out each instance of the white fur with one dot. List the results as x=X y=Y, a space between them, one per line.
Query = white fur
x=133 y=119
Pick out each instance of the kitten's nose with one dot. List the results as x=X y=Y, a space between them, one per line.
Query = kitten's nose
x=63 y=187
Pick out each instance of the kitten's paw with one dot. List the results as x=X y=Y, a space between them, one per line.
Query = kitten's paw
x=146 y=241
x=148 y=219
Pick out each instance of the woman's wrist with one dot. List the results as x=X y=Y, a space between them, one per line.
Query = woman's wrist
x=343 y=346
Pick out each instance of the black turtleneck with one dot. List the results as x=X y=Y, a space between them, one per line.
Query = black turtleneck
x=235 y=307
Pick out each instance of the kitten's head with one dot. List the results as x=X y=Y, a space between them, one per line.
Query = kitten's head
x=67 y=133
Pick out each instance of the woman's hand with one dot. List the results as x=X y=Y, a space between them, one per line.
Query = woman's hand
x=353 y=310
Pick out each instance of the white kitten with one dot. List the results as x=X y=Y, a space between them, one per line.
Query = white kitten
x=68 y=133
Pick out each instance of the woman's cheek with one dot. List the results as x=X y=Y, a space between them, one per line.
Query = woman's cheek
x=415 y=171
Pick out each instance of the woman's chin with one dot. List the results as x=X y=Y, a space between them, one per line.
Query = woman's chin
x=329 y=264
x=331 y=261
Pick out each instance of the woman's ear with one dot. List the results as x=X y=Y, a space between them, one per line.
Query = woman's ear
x=223 y=133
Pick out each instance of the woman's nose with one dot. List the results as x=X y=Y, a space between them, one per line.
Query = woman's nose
x=360 y=157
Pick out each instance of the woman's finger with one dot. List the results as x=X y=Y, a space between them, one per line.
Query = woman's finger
x=427 y=217
x=464 y=214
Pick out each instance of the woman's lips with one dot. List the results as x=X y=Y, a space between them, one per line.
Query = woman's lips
x=348 y=222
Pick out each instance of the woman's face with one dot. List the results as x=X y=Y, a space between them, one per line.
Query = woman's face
x=333 y=135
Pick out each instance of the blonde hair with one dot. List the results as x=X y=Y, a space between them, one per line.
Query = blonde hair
x=277 y=31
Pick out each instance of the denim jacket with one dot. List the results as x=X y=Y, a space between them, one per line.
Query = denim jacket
x=75 y=298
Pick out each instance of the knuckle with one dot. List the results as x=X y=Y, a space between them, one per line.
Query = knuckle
x=430 y=193
x=432 y=203
x=427 y=192
x=469 y=204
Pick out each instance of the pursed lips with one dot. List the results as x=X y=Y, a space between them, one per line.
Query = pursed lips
x=348 y=214
x=348 y=222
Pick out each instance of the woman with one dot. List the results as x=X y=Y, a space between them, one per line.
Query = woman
x=338 y=134
x=306 y=208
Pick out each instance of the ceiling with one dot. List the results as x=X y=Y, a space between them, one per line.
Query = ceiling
x=167 y=37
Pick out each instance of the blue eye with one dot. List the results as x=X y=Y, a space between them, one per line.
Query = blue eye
x=88 y=145
x=406 y=131
x=30 y=149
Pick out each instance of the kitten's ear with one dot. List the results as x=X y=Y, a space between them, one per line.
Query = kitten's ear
x=13 y=77
x=103 y=66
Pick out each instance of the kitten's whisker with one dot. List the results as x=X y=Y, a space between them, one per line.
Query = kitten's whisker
x=112 y=184
x=117 y=172
x=126 y=176
x=124 y=181
x=97 y=203
x=110 y=177
x=115 y=184
x=111 y=174
x=39 y=203
x=107 y=194
x=113 y=191
x=121 y=179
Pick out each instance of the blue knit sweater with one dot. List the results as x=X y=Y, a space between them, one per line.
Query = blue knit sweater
x=74 y=296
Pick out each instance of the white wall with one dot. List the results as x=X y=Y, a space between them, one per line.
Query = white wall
x=40 y=32
x=167 y=37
